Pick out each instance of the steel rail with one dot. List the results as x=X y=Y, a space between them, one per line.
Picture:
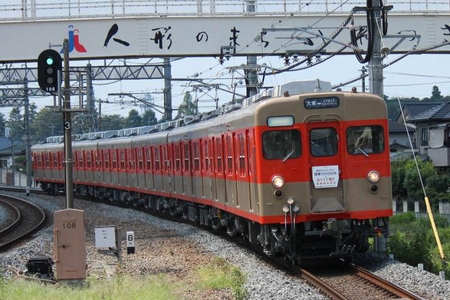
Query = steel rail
x=389 y=286
x=16 y=215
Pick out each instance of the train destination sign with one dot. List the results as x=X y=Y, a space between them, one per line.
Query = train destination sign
x=326 y=102
x=325 y=176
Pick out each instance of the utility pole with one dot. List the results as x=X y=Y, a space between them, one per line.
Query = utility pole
x=363 y=79
x=376 y=61
x=251 y=77
x=167 y=90
x=67 y=128
x=27 y=136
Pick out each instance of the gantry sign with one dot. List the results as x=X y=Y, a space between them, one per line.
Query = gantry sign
x=217 y=36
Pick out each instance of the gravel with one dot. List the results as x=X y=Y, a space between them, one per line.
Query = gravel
x=175 y=249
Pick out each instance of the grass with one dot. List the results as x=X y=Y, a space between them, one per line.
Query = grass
x=218 y=275
x=154 y=287
x=221 y=275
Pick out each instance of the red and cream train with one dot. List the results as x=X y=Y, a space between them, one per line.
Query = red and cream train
x=301 y=174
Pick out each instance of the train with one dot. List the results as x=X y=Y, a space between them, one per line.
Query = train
x=300 y=170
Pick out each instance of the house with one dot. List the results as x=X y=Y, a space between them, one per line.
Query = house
x=6 y=151
x=399 y=140
x=412 y=109
x=433 y=133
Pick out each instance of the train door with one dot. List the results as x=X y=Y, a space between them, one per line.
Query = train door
x=230 y=167
x=207 y=170
x=167 y=171
x=177 y=178
x=133 y=178
x=198 y=169
x=325 y=162
x=157 y=168
x=106 y=166
x=187 y=171
x=219 y=168
x=149 y=171
x=242 y=164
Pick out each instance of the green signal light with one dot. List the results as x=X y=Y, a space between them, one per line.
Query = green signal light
x=50 y=61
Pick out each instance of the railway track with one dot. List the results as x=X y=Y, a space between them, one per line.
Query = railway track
x=24 y=219
x=341 y=281
x=350 y=282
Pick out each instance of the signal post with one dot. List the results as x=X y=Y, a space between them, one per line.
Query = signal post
x=68 y=233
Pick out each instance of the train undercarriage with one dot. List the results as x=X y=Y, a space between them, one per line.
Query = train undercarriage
x=295 y=241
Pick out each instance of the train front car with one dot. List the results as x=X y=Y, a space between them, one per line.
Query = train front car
x=323 y=174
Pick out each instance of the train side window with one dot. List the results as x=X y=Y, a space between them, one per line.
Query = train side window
x=196 y=151
x=46 y=160
x=177 y=157
x=148 y=159
x=157 y=159
x=323 y=142
x=219 y=167
x=140 y=159
x=106 y=156
x=55 y=160
x=281 y=144
x=122 y=159
x=114 y=159
x=88 y=159
x=363 y=140
x=187 y=157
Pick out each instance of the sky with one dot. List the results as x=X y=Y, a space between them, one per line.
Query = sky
x=413 y=76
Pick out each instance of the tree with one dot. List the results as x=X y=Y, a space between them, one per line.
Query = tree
x=46 y=123
x=16 y=124
x=2 y=124
x=133 y=119
x=112 y=122
x=412 y=181
x=149 y=118
x=436 y=94
x=399 y=190
x=187 y=108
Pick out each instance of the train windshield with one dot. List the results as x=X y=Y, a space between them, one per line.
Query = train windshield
x=365 y=140
x=324 y=142
x=281 y=144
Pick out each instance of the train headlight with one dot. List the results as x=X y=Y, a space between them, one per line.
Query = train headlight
x=277 y=181
x=373 y=176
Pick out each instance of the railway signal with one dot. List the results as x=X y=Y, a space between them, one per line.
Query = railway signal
x=49 y=66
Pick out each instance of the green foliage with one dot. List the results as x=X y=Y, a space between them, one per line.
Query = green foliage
x=112 y=122
x=412 y=241
x=436 y=94
x=149 y=118
x=187 y=108
x=3 y=285
x=403 y=218
x=153 y=287
x=412 y=181
x=408 y=247
x=406 y=183
x=437 y=264
x=46 y=123
x=399 y=190
x=2 y=124
x=220 y=275
x=134 y=119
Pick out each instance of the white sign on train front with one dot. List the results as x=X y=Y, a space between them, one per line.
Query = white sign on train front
x=325 y=176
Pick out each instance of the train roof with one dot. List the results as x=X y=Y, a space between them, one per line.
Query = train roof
x=291 y=88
